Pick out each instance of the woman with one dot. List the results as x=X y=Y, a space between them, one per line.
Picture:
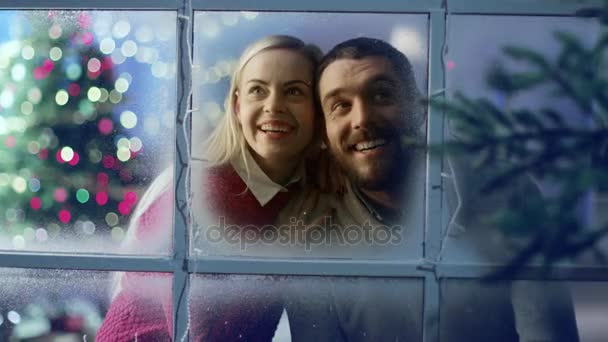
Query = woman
x=257 y=149
x=254 y=154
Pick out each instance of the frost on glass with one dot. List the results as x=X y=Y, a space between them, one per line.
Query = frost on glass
x=475 y=45
x=219 y=40
x=251 y=307
x=590 y=307
x=54 y=305
x=522 y=310
x=87 y=104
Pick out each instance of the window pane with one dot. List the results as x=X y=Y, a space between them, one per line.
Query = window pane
x=475 y=47
x=522 y=311
x=219 y=40
x=590 y=305
x=53 y=305
x=252 y=307
x=87 y=102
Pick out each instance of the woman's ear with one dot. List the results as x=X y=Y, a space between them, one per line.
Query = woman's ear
x=236 y=105
x=322 y=133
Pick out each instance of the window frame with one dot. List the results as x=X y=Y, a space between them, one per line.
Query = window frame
x=427 y=269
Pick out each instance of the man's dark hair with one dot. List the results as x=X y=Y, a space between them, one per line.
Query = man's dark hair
x=358 y=48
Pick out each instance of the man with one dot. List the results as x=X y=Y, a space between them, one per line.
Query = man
x=373 y=120
x=371 y=104
x=372 y=115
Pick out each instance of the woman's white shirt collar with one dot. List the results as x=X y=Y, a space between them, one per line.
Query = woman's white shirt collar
x=261 y=186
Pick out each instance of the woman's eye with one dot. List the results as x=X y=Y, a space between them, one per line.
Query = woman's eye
x=256 y=90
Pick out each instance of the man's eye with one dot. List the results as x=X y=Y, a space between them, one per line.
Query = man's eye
x=340 y=106
x=294 y=91
x=382 y=96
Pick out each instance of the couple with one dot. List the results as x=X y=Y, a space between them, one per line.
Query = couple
x=310 y=138
x=361 y=101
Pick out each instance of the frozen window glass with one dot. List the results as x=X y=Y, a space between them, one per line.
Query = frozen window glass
x=590 y=306
x=87 y=102
x=475 y=46
x=53 y=305
x=256 y=307
x=220 y=39
x=522 y=311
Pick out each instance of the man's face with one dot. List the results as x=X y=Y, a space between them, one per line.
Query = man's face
x=364 y=108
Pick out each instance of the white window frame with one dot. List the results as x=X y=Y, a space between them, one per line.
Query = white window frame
x=179 y=263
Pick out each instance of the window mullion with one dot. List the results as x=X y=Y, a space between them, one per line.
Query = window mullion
x=311 y=267
x=434 y=185
x=182 y=210
x=533 y=7
x=529 y=272
x=87 y=262
x=97 y=5
x=378 y=6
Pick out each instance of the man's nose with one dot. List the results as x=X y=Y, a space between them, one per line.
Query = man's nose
x=360 y=114
x=274 y=103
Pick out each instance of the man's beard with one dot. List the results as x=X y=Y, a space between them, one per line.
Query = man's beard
x=389 y=178
x=376 y=176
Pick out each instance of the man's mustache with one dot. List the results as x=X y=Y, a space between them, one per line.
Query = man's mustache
x=371 y=133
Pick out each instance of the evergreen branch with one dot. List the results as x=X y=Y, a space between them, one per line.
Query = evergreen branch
x=600 y=45
x=518 y=262
x=543 y=159
x=503 y=178
x=601 y=95
x=499 y=116
x=554 y=249
x=597 y=53
x=498 y=78
x=518 y=53
x=590 y=240
x=485 y=122
x=569 y=88
x=548 y=135
x=461 y=115
x=599 y=255
x=554 y=117
x=528 y=119
x=571 y=47
x=542 y=143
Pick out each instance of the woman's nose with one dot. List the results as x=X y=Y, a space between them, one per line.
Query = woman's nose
x=274 y=103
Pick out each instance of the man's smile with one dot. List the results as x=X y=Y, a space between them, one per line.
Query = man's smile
x=369 y=144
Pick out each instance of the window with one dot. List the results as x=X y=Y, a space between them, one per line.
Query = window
x=121 y=74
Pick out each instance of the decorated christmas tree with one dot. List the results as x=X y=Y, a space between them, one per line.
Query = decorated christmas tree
x=64 y=157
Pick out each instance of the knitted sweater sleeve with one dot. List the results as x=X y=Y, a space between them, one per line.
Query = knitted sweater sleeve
x=142 y=310
x=133 y=318
x=217 y=312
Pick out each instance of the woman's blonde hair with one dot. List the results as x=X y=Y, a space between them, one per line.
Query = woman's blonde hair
x=227 y=142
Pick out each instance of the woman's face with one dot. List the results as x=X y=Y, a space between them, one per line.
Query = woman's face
x=274 y=106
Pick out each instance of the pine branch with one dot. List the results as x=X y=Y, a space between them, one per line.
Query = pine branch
x=512 y=144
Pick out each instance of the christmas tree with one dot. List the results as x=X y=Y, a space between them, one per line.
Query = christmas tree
x=66 y=162
x=511 y=144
